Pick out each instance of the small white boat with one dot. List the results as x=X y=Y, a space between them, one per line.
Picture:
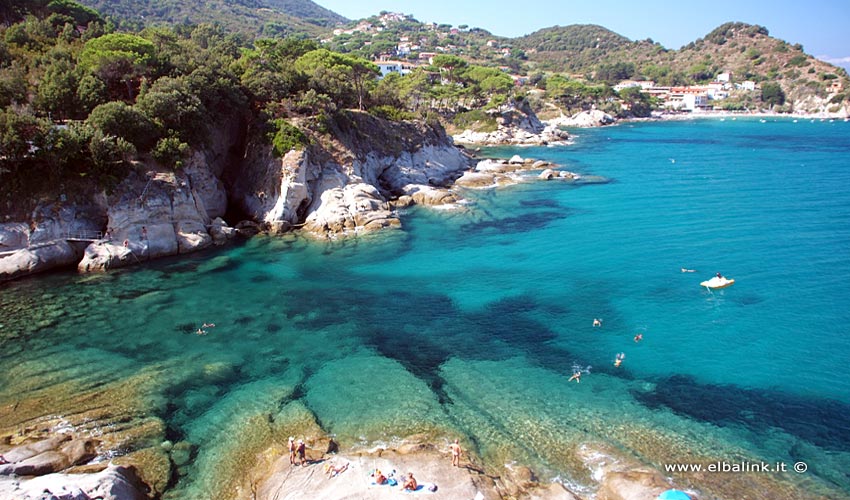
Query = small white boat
x=716 y=283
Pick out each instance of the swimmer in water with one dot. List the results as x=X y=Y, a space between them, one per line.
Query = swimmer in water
x=577 y=371
x=201 y=331
x=597 y=322
x=684 y=270
x=620 y=357
x=638 y=337
x=208 y=325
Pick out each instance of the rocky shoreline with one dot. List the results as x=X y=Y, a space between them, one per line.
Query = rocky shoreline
x=352 y=185
x=36 y=469
x=349 y=185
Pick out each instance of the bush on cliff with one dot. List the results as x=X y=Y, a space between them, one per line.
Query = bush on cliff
x=170 y=152
x=118 y=119
x=287 y=137
x=391 y=113
x=475 y=120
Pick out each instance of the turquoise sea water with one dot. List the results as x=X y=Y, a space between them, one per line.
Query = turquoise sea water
x=470 y=320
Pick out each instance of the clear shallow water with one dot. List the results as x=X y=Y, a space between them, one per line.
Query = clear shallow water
x=469 y=320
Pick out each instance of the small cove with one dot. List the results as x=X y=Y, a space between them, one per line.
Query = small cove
x=468 y=321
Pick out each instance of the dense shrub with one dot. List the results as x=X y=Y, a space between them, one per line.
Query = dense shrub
x=391 y=113
x=118 y=119
x=286 y=137
x=170 y=152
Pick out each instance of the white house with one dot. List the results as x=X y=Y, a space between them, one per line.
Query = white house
x=687 y=98
x=387 y=67
x=747 y=85
x=724 y=77
x=643 y=84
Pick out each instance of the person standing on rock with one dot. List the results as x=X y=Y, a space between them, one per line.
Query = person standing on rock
x=292 y=449
x=302 y=450
x=456 y=452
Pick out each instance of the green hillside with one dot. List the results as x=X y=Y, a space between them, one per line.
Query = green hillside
x=270 y=17
x=600 y=56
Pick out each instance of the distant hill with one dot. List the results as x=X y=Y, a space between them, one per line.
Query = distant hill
x=579 y=48
x=597 y=54
x=270 y=17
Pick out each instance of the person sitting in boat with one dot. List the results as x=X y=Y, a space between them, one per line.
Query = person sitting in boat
x=719 y=276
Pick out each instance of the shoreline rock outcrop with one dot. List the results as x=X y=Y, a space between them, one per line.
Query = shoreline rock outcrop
x=517 y=125
x=349 y=185
x=584 y=119
x=43 y=462
x=491 y=173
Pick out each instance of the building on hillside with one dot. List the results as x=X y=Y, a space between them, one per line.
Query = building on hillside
x=747 y=85
x=717 y=90
x=519 y=80
x=724 y=77
x=392 y=17
x=400 y=67
x=835 y=86
x=687 y=99
x=427 y=56
x=403 y=49
x=643 y=84
x=659 y=93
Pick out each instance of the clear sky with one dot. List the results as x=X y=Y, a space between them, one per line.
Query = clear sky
x=822 y=26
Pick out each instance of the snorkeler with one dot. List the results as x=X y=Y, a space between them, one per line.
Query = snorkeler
x=620 y=357
x=638 y=337
x=577 y=371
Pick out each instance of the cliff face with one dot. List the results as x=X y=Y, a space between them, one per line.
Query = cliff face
x=344 y=183
x=350 y=183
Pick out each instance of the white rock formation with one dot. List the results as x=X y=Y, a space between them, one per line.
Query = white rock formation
x=168 y=218
x=352 y=189
x=584 y=119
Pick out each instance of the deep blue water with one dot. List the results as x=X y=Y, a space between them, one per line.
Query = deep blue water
x=469 y=320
